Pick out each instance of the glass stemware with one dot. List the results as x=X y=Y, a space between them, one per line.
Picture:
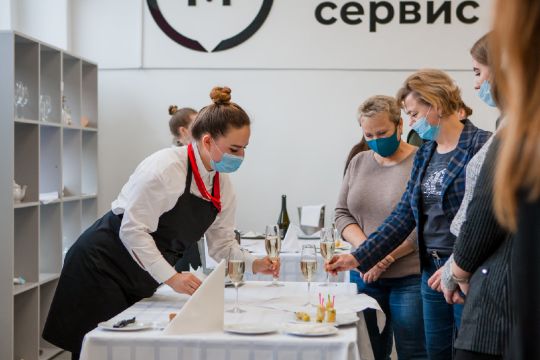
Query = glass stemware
x=272 y=244
x=328 y=247
x=45 y=107
x=308 y=266
x=21 y=97
x=236 y=266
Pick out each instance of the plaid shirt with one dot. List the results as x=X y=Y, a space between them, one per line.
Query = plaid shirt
x=408 y=213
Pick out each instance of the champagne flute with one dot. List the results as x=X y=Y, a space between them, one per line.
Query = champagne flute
x=308 y=266
x=236 y=266
x=272 y=244
x=328 y=247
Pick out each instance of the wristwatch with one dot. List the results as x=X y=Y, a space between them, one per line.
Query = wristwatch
x=458 y=280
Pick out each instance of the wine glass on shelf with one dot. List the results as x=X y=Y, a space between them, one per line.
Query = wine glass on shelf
x=236 y=266
x=327 y=245
x=272 y=244
x=21 y=97
x=45 y=107
x=308 y=266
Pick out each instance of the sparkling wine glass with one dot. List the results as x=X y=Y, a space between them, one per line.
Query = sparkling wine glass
x=308 y=266
x=328 y=247
x=272 y=244
x=236 y=266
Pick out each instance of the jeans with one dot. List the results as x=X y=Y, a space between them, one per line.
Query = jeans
x=441 y=320
x=401 y=302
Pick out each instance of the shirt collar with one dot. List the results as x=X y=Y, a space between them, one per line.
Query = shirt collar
x=202 y=169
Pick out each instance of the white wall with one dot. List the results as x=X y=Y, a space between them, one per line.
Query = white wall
x=5 y=14
x=46 y=20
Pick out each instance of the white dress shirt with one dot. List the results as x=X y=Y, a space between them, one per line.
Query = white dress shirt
x=153 y=189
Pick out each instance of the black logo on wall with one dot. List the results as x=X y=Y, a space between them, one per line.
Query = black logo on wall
x=225 y=44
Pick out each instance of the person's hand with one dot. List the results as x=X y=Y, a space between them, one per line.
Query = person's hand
x=266 y=266
x=184 y=283
x=373 y=274
x=452 y=296
x=341 y=263
x=464 y=287
x=434 y=281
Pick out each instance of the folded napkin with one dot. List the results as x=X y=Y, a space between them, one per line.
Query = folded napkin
x=204 y=311
x=311 y=215
x=291 y=243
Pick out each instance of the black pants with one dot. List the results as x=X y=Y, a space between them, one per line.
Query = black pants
x=471 y=355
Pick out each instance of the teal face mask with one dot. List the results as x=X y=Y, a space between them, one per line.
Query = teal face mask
x=485 y=94
x=229 y=163
x=385 y=146
x=425 y=130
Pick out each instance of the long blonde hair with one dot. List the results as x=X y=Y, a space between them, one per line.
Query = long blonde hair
x=515 y=51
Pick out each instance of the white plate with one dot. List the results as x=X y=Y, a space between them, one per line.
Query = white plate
x=108 y=325
x=310 y=329
x=250 y=329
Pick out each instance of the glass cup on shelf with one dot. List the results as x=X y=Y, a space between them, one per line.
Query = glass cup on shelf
x=236 y=266
x=327 y=245
x=308 y=266
x=272 y=244
x=45 y=107
x=21 y=97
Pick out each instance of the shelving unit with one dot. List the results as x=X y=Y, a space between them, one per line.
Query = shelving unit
x=48 y=156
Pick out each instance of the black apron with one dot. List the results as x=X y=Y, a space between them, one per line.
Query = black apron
x=100 y=279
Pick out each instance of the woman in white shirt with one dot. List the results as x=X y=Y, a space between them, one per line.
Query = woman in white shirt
x=173 y=197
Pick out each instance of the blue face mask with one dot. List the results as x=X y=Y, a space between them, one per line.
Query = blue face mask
x=424 y=129
x=485 y=94
x=229 y=163
x=385 y=146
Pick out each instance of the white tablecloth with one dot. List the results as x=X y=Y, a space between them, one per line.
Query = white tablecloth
x=152 y=345
x=290 y=264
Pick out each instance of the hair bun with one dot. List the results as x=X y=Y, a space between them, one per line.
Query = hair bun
x=221 y=95
x=173 y=109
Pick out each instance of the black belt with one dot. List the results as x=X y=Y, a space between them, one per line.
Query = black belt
x=438 y=254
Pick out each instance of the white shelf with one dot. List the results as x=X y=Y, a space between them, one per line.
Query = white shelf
x=26 y=121
x=47 y=156
x=24 y=204
x=19 y=289
x=50 y=124
x=47 y=353
x=44 y=278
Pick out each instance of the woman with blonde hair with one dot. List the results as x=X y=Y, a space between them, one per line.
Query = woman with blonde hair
x=516 y=44
x=431 y=200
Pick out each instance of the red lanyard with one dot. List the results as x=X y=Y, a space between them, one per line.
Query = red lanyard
x=216 y=200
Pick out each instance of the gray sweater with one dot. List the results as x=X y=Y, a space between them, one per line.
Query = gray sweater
x=368 y=195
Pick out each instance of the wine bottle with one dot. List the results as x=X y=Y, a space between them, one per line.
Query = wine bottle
x=283 y=219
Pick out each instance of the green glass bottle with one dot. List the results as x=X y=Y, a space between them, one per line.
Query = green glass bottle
x=283 y=219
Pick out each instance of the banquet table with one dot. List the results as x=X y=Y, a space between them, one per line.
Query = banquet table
x=290 y=263
x=262 y=306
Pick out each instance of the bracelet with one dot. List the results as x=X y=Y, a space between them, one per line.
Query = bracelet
x=459 y=280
